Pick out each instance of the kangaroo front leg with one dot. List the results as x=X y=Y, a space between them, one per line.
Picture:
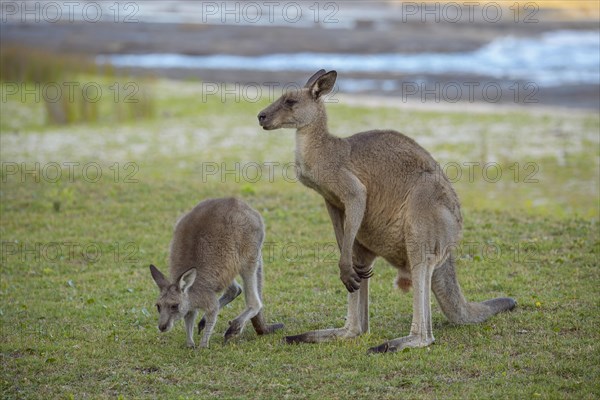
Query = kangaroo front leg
x=353 y=215
x=211 y=320
x=353 y=194
x=357 y=322
x=363 y=258
x=189 y=319
x=211 y=314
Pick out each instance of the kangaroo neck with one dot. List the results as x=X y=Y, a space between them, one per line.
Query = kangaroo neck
x=312 y=142
x=315 y=132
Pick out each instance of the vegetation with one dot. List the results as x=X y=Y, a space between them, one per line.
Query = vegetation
x=76 y=296
x=73 y=89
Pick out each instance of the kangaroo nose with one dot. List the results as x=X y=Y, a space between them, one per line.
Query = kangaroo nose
x=162 y=328
x=261 y=117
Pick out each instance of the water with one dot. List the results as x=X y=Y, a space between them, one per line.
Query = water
x=295 y=14
x=552 y=59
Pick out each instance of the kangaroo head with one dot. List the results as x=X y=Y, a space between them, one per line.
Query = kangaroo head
x=173 y=302
x=299 y=107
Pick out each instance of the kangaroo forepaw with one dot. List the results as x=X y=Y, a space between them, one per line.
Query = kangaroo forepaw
x=349 y=278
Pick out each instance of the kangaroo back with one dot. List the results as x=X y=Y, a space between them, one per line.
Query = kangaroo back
x=217 y=237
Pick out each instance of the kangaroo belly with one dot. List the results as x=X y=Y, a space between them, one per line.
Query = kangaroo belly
x=385 y=237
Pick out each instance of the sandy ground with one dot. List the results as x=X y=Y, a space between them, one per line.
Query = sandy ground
x=201 y=39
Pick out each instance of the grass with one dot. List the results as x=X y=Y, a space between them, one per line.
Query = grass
x=77 y=298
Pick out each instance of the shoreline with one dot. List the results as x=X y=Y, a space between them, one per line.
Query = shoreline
x=374 y=101
x=207 y=39
x=412 y=37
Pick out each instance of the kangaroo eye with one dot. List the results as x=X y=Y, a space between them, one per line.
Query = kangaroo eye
x=158 y=307
x=175 y=307
x=290 y=102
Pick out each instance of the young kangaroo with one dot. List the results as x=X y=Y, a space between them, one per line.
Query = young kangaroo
x=212 y=244
x=386 y=196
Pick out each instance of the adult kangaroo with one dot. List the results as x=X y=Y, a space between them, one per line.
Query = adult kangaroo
x=386 y=196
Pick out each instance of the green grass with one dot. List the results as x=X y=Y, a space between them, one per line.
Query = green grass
x=77 y=298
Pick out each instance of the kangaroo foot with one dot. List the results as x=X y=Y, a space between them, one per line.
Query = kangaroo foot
x=322 y=336
x=235 y=327
x=401 y=343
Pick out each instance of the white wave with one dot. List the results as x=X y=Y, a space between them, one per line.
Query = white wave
x=553 y=59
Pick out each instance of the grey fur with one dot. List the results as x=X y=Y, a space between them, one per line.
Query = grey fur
x=212 y=244
x=386 y=196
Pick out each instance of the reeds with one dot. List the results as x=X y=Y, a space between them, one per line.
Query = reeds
x=72 y=88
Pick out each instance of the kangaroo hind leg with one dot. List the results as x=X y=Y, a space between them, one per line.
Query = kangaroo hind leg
x=258 y=321
x=253 y=302
x=357 y=319
x=421 y=334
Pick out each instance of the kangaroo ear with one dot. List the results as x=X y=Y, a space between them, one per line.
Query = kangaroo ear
x=323 y=84
x=187 y=279
x=313 y=78
x=158 y=277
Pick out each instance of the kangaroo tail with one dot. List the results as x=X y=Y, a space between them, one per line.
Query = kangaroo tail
x=453 y=303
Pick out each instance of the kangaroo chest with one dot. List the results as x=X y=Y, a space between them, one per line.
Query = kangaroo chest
x=305 y=163
x=307 y=174
x=317 y=176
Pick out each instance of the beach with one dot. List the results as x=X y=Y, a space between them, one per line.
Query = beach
x=379 y=29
